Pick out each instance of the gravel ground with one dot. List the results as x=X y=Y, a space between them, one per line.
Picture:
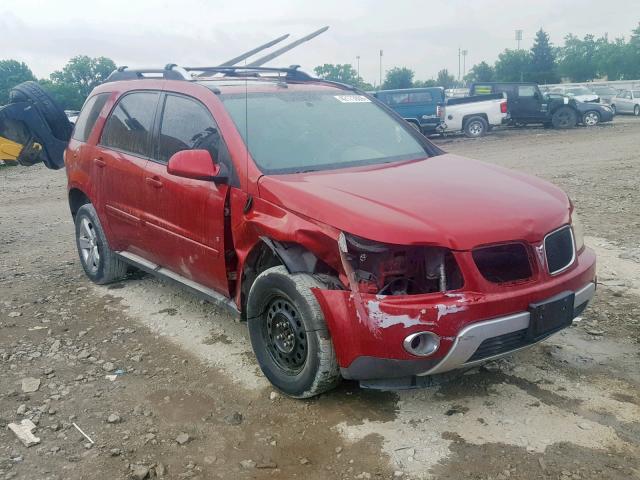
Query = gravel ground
x=165 y=385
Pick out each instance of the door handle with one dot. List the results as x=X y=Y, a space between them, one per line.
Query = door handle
x=154 y=182
x=100 y=163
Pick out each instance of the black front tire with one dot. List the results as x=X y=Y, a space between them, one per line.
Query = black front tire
x=564 y=118
x=636 y=110
x=282 y=306
x=100 y=263
x=591 y=119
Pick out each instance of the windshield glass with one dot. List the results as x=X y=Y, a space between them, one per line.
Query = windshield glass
x=636 y=93
x=290 y=132
x=579 y=91
x=605 y=90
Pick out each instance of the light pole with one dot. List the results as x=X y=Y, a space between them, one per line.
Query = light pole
x=380 y=85
x=518 y=37
x=464 y=62
x=459 y=52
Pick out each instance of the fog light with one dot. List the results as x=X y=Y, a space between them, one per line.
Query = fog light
x=422 y=344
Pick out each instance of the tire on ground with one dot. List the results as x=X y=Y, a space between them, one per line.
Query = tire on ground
x=320 y=371
x=110 y=268
x=564 y=117
x=475 y=127
x=54 y=115
x=636 y=110
x=591 y=115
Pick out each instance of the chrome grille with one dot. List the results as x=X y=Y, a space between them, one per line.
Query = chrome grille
x=559 y=249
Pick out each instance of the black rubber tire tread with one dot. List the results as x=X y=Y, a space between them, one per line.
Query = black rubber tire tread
x=53 y=114
x=321 y=372
x=469 y=121
x=636 y=110
x=111 y=268
x=555 y=119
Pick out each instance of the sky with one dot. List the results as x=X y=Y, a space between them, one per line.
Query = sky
x=423 y=35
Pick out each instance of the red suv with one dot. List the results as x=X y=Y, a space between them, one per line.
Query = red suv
x=353 y=246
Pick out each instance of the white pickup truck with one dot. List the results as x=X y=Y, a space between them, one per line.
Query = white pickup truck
x=474 y=116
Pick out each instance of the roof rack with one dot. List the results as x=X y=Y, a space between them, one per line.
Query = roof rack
x=171 y=71
x=290 y=73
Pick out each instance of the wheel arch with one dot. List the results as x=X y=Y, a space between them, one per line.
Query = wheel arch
x=469 y=116
x=77 y=198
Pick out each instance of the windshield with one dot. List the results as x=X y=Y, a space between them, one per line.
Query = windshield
x=605 y=90
x=579 y=91
x=636 y=93
x=290 y=132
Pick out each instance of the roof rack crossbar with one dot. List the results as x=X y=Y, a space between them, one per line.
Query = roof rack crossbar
x=171 y=71
x=292 y=72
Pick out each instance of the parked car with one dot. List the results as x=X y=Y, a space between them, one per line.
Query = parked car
x=418 y=106
x=605 y=93
x=591 y=114
x=474 y=116
x=353 y=246
x=580 y=93
x=627 y=101
x=528 y=105
x=429 y=111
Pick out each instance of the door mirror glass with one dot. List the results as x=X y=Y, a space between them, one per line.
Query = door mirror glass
x=196 y=164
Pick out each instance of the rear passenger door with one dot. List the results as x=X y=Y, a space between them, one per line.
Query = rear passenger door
x=120 y=157
x=185 y=218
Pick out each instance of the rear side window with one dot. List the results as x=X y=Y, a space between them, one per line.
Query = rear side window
x=482 y=89
x=420 y=97
x=87 y=118
x=526 y=91
x=129 y=126
x=186 y=125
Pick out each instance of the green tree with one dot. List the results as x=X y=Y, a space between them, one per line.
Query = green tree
x=611 y=58
x=482 y=72
x=398 y=77
x=445 y=79
x=543 y=62
x=12 y=73
x=84 y=73
x=67 y=96
x=577 y=59
x=343 y=73
x=632 y=67
x=513 y=66
x=425 y=83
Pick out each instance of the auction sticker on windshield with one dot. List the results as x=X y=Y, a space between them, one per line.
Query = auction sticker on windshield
x=352 y=99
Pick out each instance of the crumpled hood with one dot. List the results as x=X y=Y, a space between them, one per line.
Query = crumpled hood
x=445 y=200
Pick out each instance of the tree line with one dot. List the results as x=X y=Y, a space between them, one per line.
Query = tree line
x=577 y=60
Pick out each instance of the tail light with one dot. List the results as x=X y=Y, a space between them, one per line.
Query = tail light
x=503 y=107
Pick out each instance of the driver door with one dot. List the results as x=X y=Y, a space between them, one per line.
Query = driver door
x=529 y=103
x=184 y=218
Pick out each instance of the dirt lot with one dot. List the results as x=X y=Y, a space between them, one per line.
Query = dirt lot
x=188 y=400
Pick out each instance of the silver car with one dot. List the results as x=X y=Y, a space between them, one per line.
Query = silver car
x=605 y=93
x=627 y=101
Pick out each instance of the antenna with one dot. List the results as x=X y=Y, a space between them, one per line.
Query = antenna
x=286 y=48
x=250 y=53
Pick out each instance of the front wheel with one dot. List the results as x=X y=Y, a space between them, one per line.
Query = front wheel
x=289 y=335
x=591 y=119
x=475 y=127
x=636 y=110
x=613 y=107
x=564 y=117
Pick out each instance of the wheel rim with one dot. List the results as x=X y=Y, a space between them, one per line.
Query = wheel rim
x=284 y=336
x=88 y=243
x=475 y=129
x=636 y=111
x=591 y=119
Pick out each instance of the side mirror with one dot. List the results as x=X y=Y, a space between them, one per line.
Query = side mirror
x=196 y=164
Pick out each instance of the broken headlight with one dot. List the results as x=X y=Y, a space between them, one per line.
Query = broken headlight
x=387 y=269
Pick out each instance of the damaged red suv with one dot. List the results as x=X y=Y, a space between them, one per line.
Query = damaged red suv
x=353 y=246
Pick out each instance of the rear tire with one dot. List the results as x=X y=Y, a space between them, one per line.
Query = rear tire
x=564 y=118
x=475 y=127
x=289 y=335
x=55 y=117
x=636 y=110
x=613 y=107
x=99 y=262
x=591 y=119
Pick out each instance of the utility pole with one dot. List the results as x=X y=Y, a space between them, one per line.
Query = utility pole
x=459 y=52
x=358 y=64
x=380 y=69
x=464 y=62
x=518 y=37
